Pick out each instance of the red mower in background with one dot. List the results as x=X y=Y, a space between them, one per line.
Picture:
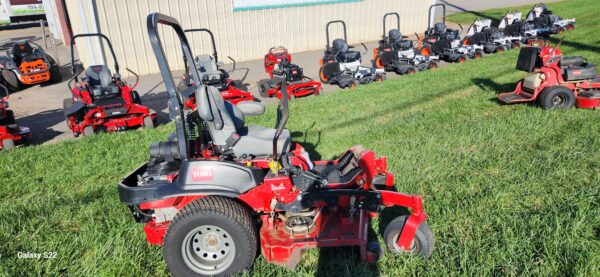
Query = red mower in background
x=11 y=134
x=278 y=64
x=555 y=81
x=213 y=75
x=102 y=101
x=220 y=189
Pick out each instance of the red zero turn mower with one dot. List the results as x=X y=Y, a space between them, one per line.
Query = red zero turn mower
x=219 y=188
x=102 y=101
x=213 y=75
x=26 y=63
x=555 y=81
x=278 y=64
x=10 y=133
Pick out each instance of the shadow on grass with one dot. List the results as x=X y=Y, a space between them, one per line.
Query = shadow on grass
x=345 y=261
x=311 y=148
x=489 y=84
x=40 y=125
x=576 y=45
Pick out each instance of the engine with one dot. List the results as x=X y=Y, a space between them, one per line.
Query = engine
x=289 y=71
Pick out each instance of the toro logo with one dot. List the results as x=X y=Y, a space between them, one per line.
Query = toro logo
x=201 y=173
x=576 y=72
x=277 y=187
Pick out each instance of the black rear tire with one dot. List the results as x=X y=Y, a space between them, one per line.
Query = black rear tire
x=423 y=243
x=55 y=75
x=135 y=97
x=263 y=88
x=324 y=79
x=557 y=97
x=229 y=217
x=10 y=117
x=10 y=80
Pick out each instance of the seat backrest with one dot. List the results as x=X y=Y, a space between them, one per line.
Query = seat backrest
x=223 y=119
x=340 y=45
x=439 y=28
x=20 y=50
x=98 y=76
x=206 y=64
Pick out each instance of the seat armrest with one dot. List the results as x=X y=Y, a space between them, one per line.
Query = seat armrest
x=251 y=108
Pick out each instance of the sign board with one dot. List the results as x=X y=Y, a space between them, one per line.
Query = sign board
x=26 y=7
x=248 y=5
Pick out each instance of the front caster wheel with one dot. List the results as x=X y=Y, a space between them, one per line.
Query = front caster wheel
x=212 y=236
x=422 y=245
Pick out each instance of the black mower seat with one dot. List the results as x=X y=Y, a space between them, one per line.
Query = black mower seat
x=21 y=50
x=207 y=66
x=397 y=42
x=572 y=61
x=100 y=82
x=226 y=125
x=341 y=47
x=349 y=56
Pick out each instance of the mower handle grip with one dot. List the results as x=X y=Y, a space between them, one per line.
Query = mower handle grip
x=282 y=111
x=137 y=77
x=70 y=81
x=234 y=63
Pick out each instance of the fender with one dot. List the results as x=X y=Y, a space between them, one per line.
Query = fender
x=195 y=178
x=77 y=107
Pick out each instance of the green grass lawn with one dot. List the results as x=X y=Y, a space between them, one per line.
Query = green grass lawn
x=509 y=190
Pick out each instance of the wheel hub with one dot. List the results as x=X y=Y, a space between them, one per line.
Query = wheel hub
x=557 y=100
x=208 y=250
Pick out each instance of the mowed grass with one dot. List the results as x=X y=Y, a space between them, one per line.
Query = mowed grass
x=509 y=190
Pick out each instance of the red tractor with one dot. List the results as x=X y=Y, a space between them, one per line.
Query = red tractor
x=10 y=133
x=555 y=81
x=214 y=75
x=219 y=189
x=278 y=64
x=102 y=101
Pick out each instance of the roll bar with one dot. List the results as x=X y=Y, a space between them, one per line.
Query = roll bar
x=112 y=51
x=429 y=17
x=175 y=102
x=327 y=30
x=282 y=111
x=212 y=39
x=397 y=21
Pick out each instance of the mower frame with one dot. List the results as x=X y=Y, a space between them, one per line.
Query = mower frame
x=205 y=177
x=553 y=90
x=11 y=134
x=41 y=70
x=455 y=51
x=230 y=90
x=85 y=117
x=406 y=61
x=345 y=74
x=299 y=88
